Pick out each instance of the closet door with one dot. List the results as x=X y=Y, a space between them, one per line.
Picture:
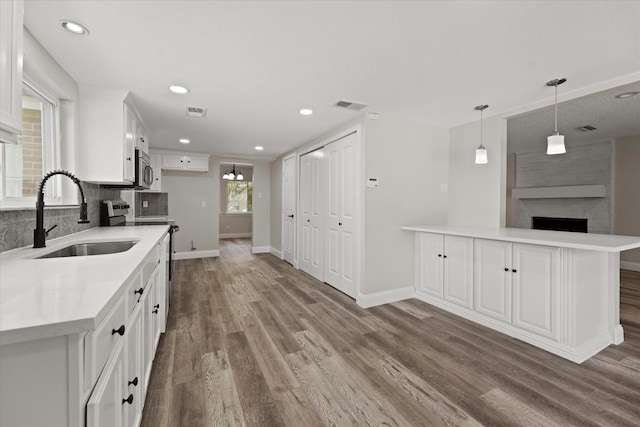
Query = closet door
x=311 y=237
x=339 y=175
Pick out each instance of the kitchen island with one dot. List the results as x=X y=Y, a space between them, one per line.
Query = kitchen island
x=558 y=291
x=78 y=333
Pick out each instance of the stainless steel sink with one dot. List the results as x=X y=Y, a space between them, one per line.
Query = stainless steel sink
x=94 y=248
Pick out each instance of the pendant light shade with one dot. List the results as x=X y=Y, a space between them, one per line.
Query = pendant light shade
x=555 y=142
x=239 y=177
x=232 y=174
x=481 y=151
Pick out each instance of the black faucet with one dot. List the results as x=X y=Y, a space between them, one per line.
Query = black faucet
x=39 y=233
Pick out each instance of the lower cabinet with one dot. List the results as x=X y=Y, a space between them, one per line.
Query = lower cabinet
x=105 y=408
x=446 y=267
x=518 y=284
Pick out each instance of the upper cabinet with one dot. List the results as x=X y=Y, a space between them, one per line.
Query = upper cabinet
x=190 y=162
x=109 y=128
x=11 y=18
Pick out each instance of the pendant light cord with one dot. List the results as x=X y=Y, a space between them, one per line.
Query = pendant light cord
x=481 y=146
x=556 y=123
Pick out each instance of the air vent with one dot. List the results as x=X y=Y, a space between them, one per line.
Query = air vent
x=586 y=128
x=196 y=112
x=350 y=105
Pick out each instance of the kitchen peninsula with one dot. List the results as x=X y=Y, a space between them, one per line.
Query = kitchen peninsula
x=559 y=291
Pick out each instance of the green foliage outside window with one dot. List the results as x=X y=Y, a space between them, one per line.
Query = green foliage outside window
x=239 y=196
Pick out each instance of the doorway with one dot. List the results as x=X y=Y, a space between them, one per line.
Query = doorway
x=236 y=206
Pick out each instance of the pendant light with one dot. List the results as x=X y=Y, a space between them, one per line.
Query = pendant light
x=232 y=174
x=555 y=142
x=239 y=177
x=481 y=151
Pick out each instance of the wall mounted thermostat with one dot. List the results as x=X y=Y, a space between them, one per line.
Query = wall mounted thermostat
x=372 y=182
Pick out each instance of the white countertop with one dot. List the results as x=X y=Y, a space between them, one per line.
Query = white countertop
x=562 y=239
x=60 y=296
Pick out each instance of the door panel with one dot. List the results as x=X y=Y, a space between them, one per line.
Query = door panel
x=310 y=214
x=288 y=208
x=458 y=270
x=431 y=269
x=491 y=282
x=535 y=288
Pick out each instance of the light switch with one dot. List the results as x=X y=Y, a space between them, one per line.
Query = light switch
x=259 y=195
x=145 y=203
x=204 y=204
x=372 y=182
x=443 y=188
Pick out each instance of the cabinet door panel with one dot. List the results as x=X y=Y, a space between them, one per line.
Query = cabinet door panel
x=197 y=163
x=431 y=248
x=172 y=161
x=492 y=283
x=129 y=145
x=104 y=408
x=133 y=379
x=11 y=16
x=535 y=287
x=458 y=270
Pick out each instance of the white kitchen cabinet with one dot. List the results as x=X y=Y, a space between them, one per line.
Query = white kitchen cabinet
x=446 y=268
x=536 y=289
x=11 y=18
x=134 y=376
x=518 y=284
x=108 y=127
x=105 y=407
x=156 y=165
x=190 y=162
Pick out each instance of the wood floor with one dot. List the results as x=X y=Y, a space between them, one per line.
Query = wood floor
x=251 y=341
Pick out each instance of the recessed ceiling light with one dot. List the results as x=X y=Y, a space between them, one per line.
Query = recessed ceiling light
x=178 y=89
x=259 y=147
x=74 y=27
x=306 y=111
x=627 y=95
x=184 y=140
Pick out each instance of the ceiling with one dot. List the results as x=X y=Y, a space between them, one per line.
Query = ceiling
x=612 y=118
x=254 y=65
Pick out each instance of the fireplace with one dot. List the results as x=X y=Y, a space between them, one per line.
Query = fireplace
x=578 y=225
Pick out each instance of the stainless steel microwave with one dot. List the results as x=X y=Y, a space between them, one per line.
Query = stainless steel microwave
x=144 y=171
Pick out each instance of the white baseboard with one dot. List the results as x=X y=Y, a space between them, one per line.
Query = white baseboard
x=275 y=252
x=261 y=249
x=234 y=235
x=196 y=254
x=385 y=297
x=634 y=266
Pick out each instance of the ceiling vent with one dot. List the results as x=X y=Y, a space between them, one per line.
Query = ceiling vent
x=350 y=105
x=586 y=128
x=197 y=112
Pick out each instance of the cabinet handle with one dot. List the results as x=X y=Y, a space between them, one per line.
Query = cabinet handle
x=139 y=291
x=128 y=159
x=514 y=271
x=439 y=255
x=158 y=261
x=128 y=400
x=340 y=224
x=155 y=311
x=444 y=256
x=119 y=331
x=506 y=269
x=134 y=382
x=156 y=306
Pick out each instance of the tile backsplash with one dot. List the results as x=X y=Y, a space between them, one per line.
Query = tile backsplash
x=157 y=204
x=17 y=225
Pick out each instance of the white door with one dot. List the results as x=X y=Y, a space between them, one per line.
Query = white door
x=431 y=278
x=339 y=176
x=535 y=289
x=492 y=278
x=310 y=214
x=458 y=270
x=288 y=208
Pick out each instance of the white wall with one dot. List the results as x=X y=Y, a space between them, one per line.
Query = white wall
x=261 y=205
x=187 y=191
x=626 y=210
x=410 y=161
x=476 y=192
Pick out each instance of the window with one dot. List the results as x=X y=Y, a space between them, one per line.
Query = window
x=24 y=164
x=239 y=196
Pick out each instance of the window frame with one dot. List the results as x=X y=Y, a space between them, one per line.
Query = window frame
x=51 y=144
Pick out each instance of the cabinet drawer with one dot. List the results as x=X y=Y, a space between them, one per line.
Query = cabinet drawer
x=100 y=342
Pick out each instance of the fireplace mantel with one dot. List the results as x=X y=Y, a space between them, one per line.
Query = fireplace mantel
x=560 y=192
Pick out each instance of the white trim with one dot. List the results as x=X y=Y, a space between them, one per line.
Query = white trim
x=261 y=249
x=275 y=252
x=234 y=235
x=296 y=182
x=385 y=297
x=196 y=254
x=627 y=265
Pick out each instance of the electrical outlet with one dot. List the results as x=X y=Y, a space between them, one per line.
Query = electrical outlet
x=145 y=203
x=204 y=204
